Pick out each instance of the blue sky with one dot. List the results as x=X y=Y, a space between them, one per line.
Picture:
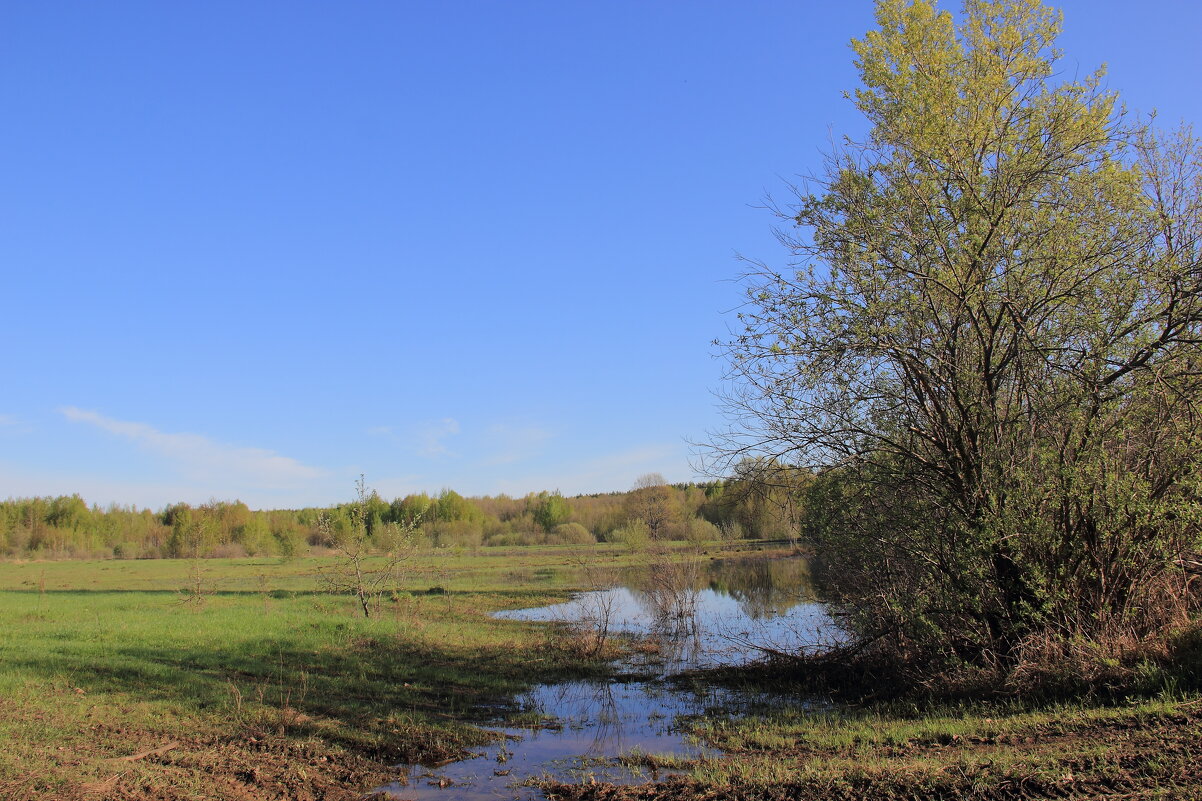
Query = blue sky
x=252 y=250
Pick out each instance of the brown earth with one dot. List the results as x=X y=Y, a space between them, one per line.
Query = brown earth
x=199 y=769
x=1121 y=757
x=1118 y=759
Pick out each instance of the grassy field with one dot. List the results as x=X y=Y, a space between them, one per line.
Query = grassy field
x=1141 y=749
x=117 y=681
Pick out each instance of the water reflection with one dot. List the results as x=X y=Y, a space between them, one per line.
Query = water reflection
x=587 y=724
x=697 y=615
x=688 y=614
x=763 y=588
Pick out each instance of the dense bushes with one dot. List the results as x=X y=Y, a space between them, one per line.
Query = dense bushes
x=987 y=342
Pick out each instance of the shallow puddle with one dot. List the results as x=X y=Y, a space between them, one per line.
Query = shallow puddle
x=720 y=614
x=587 y=724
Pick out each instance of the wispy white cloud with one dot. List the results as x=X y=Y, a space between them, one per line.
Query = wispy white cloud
x=432 y=437
x=514 y=443
x=19 y=481
x=427 y=439
x=201 y=458
x=609 y=472
x=11 y=424
x=398 y=486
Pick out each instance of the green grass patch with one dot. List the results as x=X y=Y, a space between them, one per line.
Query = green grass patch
x=116 y=682
x=101 y=661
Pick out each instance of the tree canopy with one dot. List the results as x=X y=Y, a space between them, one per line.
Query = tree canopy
x=988 y=342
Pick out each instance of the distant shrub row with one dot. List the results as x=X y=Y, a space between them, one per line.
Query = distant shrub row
x=66 y=527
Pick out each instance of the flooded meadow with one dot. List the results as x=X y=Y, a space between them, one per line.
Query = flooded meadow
x=674 y=615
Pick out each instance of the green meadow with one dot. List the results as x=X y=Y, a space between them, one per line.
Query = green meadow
x=245 y=679
x=260 y=673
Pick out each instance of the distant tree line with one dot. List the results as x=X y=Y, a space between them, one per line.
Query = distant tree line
x=761 y=500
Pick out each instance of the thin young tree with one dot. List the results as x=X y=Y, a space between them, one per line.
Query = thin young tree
x=369 y=559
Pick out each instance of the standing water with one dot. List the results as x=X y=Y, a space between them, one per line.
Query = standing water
x=690 y=615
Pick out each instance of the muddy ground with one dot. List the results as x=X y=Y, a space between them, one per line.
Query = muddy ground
x=1111 y=759
x=201 y=769
x=1121 y=757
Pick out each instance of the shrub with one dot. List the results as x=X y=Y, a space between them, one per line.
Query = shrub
x=127 y=550
x=636 y=535
x=698 y=530
x=454 y=533
x=229 y=550
x=570 y=534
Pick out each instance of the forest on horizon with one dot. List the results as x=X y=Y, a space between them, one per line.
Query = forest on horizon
x=760 y=502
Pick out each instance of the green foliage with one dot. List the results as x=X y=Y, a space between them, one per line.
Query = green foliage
x=253 y=534
x=655 y=504
x=68 y=512
x=376 y=511
x=411 y=509
x=289 y=541
x=990 y=345
x=451 y=507
x=455 y=533
x=698 y=530
x=570 y=534
x=636 y=535
x=550 y=509
x=762 y=499
x=65 y=527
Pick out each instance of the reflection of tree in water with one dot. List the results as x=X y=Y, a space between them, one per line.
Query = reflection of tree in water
x=591 y=706
x=697 y=614
x=667 y=594
x=615 y=716
x=763 y=588
x=675 y=625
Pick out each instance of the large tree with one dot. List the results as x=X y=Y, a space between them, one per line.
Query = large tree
x=654 y=502
x=989 y=340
